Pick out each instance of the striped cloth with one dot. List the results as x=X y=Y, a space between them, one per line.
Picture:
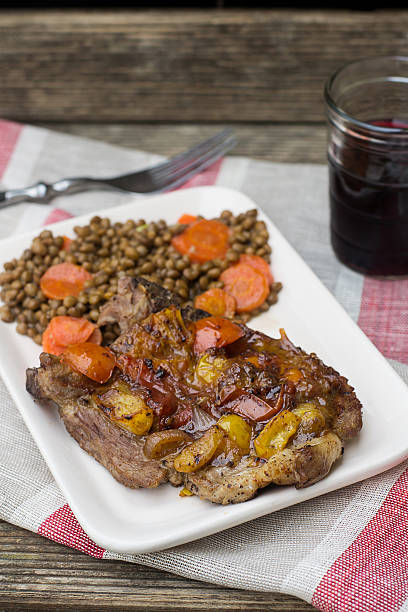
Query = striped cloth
x=345 y=551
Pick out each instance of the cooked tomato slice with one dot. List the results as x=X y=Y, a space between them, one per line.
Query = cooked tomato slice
x=94 y=361
x=252 y=407
x=215 y=332
x=182 y=417
x=142 y=372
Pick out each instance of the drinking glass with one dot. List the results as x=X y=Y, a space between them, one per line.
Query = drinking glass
x=367 y=112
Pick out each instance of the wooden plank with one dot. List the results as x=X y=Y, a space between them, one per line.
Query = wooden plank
x=273 y=142
x=37 y=574
x=182 y=65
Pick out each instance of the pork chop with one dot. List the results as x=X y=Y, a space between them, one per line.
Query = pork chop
x=157 y=361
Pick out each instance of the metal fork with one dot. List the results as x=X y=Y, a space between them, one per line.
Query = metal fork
x=159 y=178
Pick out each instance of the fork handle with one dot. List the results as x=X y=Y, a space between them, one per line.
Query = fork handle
x=43 y=193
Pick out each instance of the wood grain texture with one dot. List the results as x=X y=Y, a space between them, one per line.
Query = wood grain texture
x=297 y=143
x=182 y=65
x=37 y=574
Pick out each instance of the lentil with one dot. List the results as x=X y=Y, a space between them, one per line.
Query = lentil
x=110 y=251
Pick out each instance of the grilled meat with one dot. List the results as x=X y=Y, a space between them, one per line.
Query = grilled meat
x=301 y=466
x=136 y=298
x=272 y=413
x=118 y=450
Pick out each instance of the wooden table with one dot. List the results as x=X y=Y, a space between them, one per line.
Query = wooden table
x=160 y=82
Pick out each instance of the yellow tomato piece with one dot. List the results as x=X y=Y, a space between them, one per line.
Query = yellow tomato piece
x=126 y=409
x=209 y=367
x=311 y=418
x=133 y=413
x=228 y=453
x=238 y=430
x=185 y=492
x=276 y=434
x=200 y=452
x=162 y=443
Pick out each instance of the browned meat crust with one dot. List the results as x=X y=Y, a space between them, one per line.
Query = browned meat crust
x=321 y=383
x=55 y=381
x=301 y=466
x=136 y=298
x=118 y=450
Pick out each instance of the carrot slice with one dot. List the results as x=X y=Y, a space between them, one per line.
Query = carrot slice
x=186 y=219
x=96 y=336
x=259 y=264
x=247 y=285
x=49 y=343
x=94 y=361
x=215 y=332
x=203 y=240
x=63 y=280
x=67 y=243
x=63 y=331
x=217 y=302
x=70 y=330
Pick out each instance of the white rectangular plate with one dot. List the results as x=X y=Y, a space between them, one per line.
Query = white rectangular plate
x=134 y=521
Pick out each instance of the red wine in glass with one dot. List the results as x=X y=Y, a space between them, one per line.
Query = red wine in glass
x=369 y=207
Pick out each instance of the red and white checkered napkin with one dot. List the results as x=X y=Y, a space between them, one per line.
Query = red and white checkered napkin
x=345 y=551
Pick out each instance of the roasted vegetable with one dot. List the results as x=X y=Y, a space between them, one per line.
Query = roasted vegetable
x=253 y=407
x=186 y=219
x=162 y=443
x=228 y=453
x=62 y=331
x=209 y=367
x=312 y=420
x=126 y=408
x=276 y=434
x=259 y=264
x=185 y=492
x=215 y=332
x=94 y=361
x=238 y=430
x=200 y=452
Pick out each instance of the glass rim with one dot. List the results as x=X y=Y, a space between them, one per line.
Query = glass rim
x=357 y=122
